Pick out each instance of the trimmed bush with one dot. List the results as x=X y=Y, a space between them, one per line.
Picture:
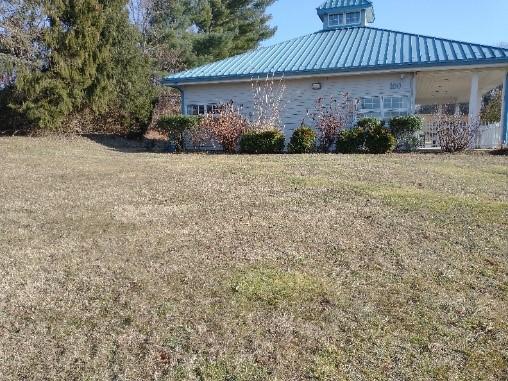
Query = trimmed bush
x=176 y=126
x=351 y=141
x=405 y=129
x=379 y=139
x=303 y=140
x=368 y=136
x=262 y=142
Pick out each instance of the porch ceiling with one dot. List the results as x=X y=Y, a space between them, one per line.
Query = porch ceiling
x=441 y=87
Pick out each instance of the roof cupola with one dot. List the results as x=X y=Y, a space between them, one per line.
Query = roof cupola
x=337 y=14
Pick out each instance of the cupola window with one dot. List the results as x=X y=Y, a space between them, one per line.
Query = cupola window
x=336 y=19
x=353 y=18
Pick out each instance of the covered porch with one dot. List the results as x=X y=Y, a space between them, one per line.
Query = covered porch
x=462 y=91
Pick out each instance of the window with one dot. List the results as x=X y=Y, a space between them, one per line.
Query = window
x=383 y=107
x=394 y=102
x=395 y=106
x=335 y=19
x=212 y=108
x=370 y=107
x=371 y=103
x=202 y=109
x=353 y=18
x=192 y=110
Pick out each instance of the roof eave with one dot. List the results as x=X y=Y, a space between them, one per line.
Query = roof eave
x=325 y=11
x=172 y=82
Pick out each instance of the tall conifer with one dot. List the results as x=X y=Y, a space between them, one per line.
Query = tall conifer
x=87 y=41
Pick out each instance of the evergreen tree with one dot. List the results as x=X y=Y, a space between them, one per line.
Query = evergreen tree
x=493 y=101
x=92 y=54
x=229 y=27
x=201 y=31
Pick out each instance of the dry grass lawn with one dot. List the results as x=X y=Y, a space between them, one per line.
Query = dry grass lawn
x=127 y=265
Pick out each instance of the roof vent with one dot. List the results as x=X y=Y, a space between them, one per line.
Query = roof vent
x=337 y=14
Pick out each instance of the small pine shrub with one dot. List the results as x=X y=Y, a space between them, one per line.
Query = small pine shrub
x=262 y=142
x=405 y=129
x=368 y=136
x=176 y=126
x=303 y=140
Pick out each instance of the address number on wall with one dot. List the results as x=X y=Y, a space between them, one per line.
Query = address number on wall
x=395 y=85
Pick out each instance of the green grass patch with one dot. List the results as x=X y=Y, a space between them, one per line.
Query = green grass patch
x=410 y=199
x=275 y=287
x=326 y=366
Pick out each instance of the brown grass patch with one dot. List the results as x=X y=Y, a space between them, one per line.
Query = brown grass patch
x=118 y=264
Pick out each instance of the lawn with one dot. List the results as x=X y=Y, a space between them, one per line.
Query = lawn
x=119 y=264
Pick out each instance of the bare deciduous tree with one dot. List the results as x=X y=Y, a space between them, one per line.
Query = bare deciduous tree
x=268 y=95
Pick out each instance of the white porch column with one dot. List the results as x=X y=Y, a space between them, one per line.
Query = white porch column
x=413 y=91
x=475 y=97
x=504 y=114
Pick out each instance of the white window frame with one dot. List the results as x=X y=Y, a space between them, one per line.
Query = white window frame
x=368 y=109
x=370 y=103
x=392 y=109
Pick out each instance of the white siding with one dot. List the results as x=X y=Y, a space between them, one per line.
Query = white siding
x=299 y=95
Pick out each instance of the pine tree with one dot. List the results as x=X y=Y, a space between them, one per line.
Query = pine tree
x=230 y=27
x=201 y=31
x=92 y=52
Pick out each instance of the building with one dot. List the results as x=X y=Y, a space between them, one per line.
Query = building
x=389 y=72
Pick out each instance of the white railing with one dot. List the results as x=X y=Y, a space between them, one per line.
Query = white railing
x=488 y=136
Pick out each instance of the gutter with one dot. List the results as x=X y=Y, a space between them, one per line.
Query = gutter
x=175 y=82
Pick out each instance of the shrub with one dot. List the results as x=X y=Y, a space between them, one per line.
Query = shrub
x=369 y=135
x=11 y=121
x=405 y=129
x=262 y=142
x=379 y=139
x=332 y=117
x=226 y=127
x=303 y=140
x=456 y=132
x=367 y=123
x=351 y=141
x=176 y=126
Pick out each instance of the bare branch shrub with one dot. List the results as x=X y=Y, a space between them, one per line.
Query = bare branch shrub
x=226 y=127
x=456 y=132
x=332 y=116
x=268 y=95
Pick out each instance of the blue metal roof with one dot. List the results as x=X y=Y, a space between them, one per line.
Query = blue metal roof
x=356 y=49
x=345 y=4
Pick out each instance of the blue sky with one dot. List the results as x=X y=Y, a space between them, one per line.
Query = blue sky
x=466 y=20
